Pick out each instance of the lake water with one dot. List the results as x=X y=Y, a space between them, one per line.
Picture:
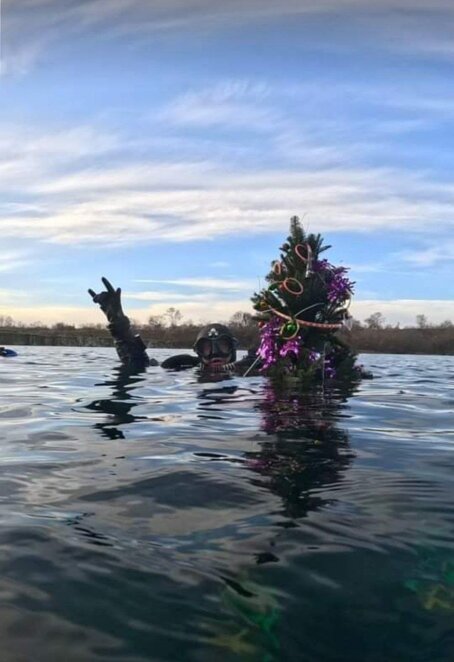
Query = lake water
x=159 y=518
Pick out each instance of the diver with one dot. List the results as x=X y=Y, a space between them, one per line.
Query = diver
x=7 y=352
x=215 y=346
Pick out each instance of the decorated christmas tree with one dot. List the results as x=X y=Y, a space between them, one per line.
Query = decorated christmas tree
x=301 y=311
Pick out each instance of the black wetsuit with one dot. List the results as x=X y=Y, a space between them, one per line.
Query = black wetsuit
x=7 y=352
x=132 y=352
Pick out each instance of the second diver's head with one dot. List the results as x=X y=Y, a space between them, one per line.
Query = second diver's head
x=215 y=346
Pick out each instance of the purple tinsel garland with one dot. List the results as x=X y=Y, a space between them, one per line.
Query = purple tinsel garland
x=340 y=287
x=268 y=350
x=290 y=347
x=320 y=265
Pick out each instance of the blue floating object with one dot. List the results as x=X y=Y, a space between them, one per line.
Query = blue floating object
x=7 y=352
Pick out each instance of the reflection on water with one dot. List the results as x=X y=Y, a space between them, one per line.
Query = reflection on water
x=152 y=516
x=119 y=404
x=306 y=449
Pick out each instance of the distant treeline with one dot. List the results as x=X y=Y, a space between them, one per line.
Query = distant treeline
x=374 y=335
x=393 y=340
x=170 y=331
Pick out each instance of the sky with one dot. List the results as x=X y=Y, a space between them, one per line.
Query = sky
x=165 y=144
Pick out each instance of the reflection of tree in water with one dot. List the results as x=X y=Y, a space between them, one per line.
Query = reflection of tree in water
x=306 y=450
x=118 y=405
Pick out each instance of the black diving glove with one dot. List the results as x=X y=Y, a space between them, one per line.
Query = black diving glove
x=130 y=347
x=109 y=301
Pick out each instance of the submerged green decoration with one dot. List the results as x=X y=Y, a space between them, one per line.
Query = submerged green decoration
x=256 y=610
x=301 y=311
x=434 y=581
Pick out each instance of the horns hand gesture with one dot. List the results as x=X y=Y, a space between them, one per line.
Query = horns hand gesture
x=109 y=300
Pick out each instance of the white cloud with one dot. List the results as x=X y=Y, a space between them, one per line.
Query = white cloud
x=64 y=144
x=161 y=296
x=30 y=157
x=232 y=103
x=49 y=314
x=11 y=260
x=373 y=267
x=219 y=265
x=33 y=27
x=189 y=202
x=227 y=284
x=439 y=254
x=51 y=195
x=13 y=296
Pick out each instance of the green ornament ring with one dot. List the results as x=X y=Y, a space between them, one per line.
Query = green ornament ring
x=289 y=330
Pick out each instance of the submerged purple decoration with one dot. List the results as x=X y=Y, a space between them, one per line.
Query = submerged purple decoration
x=313 y=356
x=330 y=370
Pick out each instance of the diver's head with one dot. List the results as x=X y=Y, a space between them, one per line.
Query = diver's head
x=215 y=345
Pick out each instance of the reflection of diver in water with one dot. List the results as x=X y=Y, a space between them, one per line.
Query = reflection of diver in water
x=119 y=404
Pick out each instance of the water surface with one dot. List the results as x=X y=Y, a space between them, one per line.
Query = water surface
x=155 y=517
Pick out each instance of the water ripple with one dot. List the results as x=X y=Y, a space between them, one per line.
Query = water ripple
x=159 y=517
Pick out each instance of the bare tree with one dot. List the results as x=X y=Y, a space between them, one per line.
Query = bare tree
x=241 y=319
x=375 y=321
x=422 y=322
x=155 y=321
x=173 y=316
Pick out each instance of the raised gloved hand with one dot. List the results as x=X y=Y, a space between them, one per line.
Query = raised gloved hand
x=109 y=301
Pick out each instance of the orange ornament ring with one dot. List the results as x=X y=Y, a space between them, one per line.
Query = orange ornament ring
x=303 y=258
x=289 y=286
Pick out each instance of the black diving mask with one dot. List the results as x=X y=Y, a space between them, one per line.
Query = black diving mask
x=217 y=347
